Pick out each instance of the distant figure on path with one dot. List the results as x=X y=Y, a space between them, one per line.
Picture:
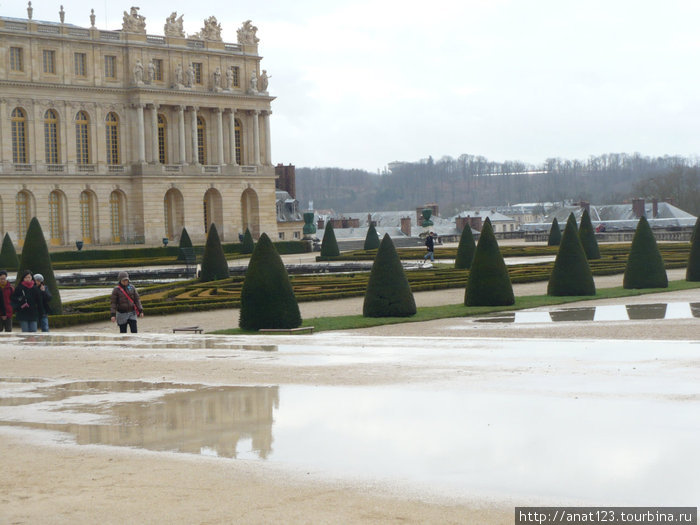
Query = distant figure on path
x=430 y=245
x=126 y=304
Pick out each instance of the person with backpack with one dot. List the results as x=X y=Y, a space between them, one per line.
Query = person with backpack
x=27 y=303
x=125 y=304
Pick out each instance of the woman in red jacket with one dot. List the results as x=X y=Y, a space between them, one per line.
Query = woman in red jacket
x=6 y=290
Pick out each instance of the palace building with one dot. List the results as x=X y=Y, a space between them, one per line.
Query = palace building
x=116 y=137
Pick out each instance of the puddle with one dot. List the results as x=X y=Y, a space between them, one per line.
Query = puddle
x=454 y=440
x=615 y=312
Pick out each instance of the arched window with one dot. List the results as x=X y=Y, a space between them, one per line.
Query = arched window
x=112 y=127
x=239 y=134
x=22 y=206
x=116 y=212
x=51 y=137
x=55 y=218
x=174 y=211
x=162 y=139
x=201 y=141
x=87 y=210
x=82 y=138
x=19 y=136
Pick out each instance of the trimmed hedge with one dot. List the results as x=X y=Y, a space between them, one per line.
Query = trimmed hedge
x=248 y=245
x=35 y=257
x=645 y=266
x=693 y=271
x=372 y=238
x=329 y=244
x=489 y=283
x=465 y=249
x=571 y=274
x=388 y=293
x=185 y=242
x=554 y=234
x=8 y=255
x=586 y=235
x=214 y=264
x=267 y=298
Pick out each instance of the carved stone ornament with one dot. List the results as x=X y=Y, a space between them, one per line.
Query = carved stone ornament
x=134 y=22
x=247 y=33
x=138 y=73
x=210 y=31
x=173 y=25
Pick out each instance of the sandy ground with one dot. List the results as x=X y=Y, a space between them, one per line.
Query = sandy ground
x=41 y=482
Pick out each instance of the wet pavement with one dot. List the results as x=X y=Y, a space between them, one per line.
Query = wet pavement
x=590 y=421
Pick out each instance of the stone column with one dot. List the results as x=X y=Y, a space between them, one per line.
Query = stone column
x=193 y=115
x=220 y=135
x=141 y=133
x=232 y=135
x=268 y=146
x=256 y=137
x=154 y=135
x=181 y=133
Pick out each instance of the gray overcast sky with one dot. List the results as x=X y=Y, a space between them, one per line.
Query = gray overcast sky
x=364 y=83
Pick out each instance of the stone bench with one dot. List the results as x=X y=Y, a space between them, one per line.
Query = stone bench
x=194 y=329
x=290 y=331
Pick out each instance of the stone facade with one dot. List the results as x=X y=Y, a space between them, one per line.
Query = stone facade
x=115 y=137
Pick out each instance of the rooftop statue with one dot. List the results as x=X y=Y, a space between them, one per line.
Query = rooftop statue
x=262 y=82
x=134 y=22
x=173 y=25
x=210 y=31
x=247 y=33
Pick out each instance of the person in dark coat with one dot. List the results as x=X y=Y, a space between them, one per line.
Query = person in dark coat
x=125 y=304
x=45 y=300
x=430 y=245
x=27 y=303
x=6 y=290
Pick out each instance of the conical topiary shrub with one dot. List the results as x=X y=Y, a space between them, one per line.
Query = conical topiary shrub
x=645 y=266
x=388 y=292
x=329 y=246
x=465 y=249
x=8 y=254
x=248 y=243
x=35 y=257
x=571 y=274
x=214 y=264
x=372 y=239
x=267 y=297
x=185 y=244
x=554 y=234
x=489 y=283
x=692 y=273
x=586 y=234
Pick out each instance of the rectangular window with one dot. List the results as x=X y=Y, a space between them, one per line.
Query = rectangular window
x=16 y=63
x=158 y=73
x=80 y=64
x=49 y=61
x=280 y=235
x=197 y=72
x=236 y=76
x=110 y=66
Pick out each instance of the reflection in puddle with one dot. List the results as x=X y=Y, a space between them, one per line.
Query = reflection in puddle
x=614 y=312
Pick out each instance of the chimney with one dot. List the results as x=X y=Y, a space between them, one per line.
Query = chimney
x=655 y=208
x=586 y=206
x=460 y=223
x=638 y=207
x=321 y=224
x=476 y=223
x=406 y=226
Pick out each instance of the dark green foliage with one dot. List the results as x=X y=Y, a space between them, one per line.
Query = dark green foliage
x=248 y=243
x=692 y=273
x=587 y=236
x=372 y=239
x=267 y=298
x=8 y=255
x=388 y=292
x=185 y=242
x=214 y=264
x=571 y=274
x=35 y=257
x=329 y=246
x=554 y=234
x=489 y=283
x=465 y=249
x=645 y=266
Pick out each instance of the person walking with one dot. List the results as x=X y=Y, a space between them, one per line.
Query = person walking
x=430 y=245
x=125 y=304
x=45 y=301
x=6 y=290
x=27 y=303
